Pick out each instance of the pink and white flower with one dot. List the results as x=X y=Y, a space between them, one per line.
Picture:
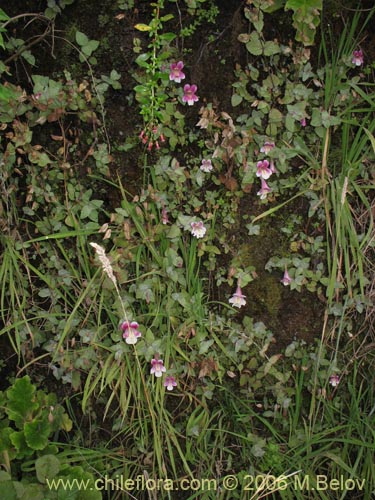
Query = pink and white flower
x=263 y=169
x=264 y=190
x=206 y=166
x=157 y=367
x=197 y=229
x=238 y=299
x=131 y=333
x=169 y=383
x=286 y=278
x=267 y=147
x=189 y=94
x=334 y=380
x=357 y=58
x=175 y=72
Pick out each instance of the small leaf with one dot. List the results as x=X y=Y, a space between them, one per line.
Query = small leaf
x=254 y=45
x=142 y=27
x=271 y=48
x=3 y=16
x=81 y=38
x=236 y=100
x=141 y=60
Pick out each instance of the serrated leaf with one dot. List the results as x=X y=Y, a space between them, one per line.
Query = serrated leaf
x=21 y=403
x=37 y=432
x=47 y=467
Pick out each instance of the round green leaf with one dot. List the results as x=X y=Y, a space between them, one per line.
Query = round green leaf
x=47 y=467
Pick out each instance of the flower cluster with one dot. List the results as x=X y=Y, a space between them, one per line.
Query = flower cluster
x=152 y=137
x=131 y=334
x=176 y=75
x=265 y=169
x=158 y=368
x=151 y=134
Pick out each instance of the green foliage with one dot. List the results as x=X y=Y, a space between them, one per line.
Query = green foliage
x=87 y=47
x=306 y=18
x=58 y=303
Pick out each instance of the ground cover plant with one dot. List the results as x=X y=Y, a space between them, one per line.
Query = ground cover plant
x=186 y=304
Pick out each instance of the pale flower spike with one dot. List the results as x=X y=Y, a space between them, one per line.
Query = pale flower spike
x=106 y=265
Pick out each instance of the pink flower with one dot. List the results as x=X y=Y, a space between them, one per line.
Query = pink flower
x=263 y=169
x=164 y=216
x=197 y=229
x=286 y=278
x=206 y=166
x=334 y=380
x=303 y=122
x=238 y=299
x=175 y=73
x=143 y=136
x=272 y=167
x=266 y=148
x=169 y=383
x=157 y=367
x=130 y=332
x=189 y=94
x=264 y=190
x=357 y=58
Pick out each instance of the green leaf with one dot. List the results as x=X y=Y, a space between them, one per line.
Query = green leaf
x=254 y=45
x=114 y=75
x=90 y=47
x=271 y=48
x=3 y=16
x=8 y=490
x=86 y=211
x=81 y=38
x=236 y=100
x=142 y=27
x=21 y=404
x=19 y=443
x=47 y=467
x=303 y=4
x=6 y=94
x=141 y=60
x=174 y=232
x=37 y=432
x=167 y=17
